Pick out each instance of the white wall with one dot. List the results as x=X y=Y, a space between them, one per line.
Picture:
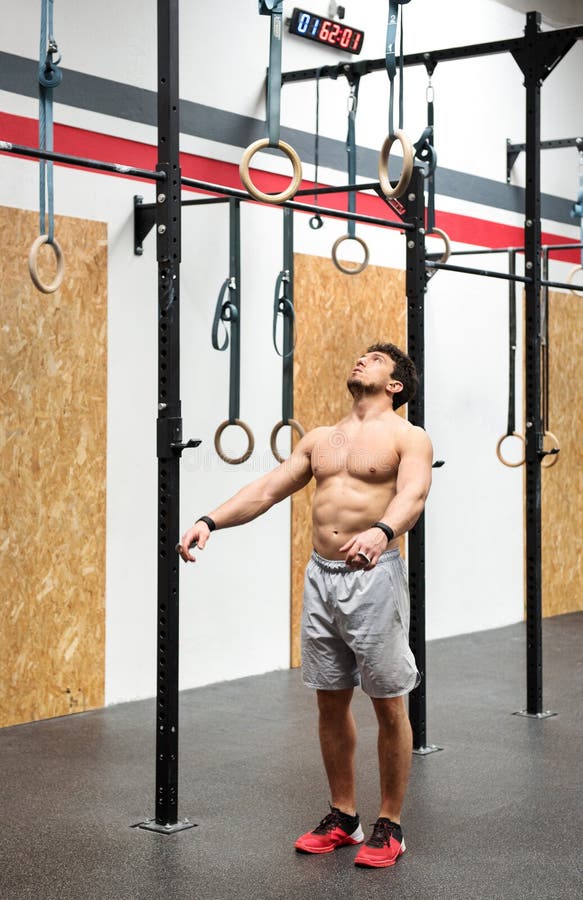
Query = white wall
x=235 y=601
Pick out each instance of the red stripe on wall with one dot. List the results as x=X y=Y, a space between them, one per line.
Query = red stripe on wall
x=91 y=144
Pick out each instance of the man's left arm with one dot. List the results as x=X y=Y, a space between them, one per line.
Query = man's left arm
x=413 y=483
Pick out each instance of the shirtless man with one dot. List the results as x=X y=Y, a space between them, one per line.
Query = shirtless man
x=373 y=473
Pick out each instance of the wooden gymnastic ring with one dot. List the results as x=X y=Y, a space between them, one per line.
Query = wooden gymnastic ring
x=570 y=277
x=551 y=457
x=447 y=246
x=234 y=461
x=291 y=154
x=293 y=423
x=511 y=465
x=361 y=266
x=406 y=171
x=33 y=262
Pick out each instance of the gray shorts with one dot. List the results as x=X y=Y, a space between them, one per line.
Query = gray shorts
x=355 y=627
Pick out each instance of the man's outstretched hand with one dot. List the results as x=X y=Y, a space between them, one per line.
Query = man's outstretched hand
x=197 y=536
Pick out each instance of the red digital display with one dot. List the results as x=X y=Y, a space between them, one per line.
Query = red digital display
x=326 y=31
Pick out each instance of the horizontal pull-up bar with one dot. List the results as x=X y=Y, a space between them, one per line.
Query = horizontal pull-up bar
x=484 y=272
x=487 y=250
x=525 y=279
x=299 y=207
x=203 y=201
x=430 y=58
x=546 y=248
x=562 y=284
x=145 y=213
x=116 y=168
x=338 y=189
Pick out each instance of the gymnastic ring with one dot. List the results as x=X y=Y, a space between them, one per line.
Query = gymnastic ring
x=511 y=465
x=408 y=162
x=570 y=277
x=447 y=246
x=234 y=461
x=246 y=177
x=551 y=457
x=33 y=261
x=361 y=266
x=294 y=424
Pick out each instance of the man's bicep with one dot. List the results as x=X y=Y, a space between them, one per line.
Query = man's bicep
x=415 y=464
x=293 y=474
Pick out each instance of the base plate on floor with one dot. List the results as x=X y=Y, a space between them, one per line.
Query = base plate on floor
x=425 y=751
x=541 y=715
x=152 y=825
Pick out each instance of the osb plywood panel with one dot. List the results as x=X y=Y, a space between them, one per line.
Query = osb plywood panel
x=562 y=485
x=338 y=316
x=52 y=530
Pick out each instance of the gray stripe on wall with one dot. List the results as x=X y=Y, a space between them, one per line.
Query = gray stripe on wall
x=18 y=75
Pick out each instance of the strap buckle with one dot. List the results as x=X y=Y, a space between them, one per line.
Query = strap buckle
x=267 y=7
x=49 y=74
x=425 y=151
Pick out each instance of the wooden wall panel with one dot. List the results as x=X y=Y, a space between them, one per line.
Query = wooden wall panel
x=562 y=492
x=338 y=316
x=53 y=454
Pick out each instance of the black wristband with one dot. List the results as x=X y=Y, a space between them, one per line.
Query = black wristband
x=386 y=529
x=208 y=522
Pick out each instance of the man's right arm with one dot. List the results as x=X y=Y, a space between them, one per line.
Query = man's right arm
x=256 y=498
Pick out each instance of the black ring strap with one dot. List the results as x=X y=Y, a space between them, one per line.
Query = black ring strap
x=285 y=305
x=228 y=311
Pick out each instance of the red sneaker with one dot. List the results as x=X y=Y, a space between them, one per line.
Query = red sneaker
x=337 y=829
x=384 y=847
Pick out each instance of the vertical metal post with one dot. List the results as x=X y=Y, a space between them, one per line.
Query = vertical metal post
x=169 y=423
x=415 y=288
x=532 y=372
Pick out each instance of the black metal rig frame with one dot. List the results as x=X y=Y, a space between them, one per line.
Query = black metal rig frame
x=537 y=53
x=513 y=151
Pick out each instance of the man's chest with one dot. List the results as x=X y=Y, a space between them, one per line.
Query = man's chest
x=367 y=456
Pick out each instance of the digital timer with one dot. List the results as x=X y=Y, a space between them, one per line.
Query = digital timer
x=326 y=31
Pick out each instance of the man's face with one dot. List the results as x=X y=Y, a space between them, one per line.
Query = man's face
x=371 y=373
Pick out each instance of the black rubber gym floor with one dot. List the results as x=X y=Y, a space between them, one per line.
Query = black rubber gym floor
x=496 y=814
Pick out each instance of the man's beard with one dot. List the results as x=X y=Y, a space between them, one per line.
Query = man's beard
x=358 y=389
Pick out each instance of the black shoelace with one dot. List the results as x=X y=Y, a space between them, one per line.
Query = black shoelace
x=329 y=822
x=381 y=834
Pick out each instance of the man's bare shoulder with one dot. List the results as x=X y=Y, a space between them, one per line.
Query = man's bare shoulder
x=413 y=437
x=315 y=437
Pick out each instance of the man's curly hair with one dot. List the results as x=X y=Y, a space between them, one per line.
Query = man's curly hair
x=403 y=371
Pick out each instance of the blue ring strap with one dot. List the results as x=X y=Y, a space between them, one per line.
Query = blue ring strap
x=282 y=304
x=391 y=60
x=274 y=9
x=351 y=151
x=225 y=311
x=390 y=57
x=49 y=77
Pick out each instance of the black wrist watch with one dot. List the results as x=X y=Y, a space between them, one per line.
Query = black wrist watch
x=208 y=522
x=386 y=529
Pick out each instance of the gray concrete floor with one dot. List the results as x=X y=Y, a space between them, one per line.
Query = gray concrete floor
x=497 y=814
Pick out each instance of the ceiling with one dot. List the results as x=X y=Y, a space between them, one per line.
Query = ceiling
x=557 y=13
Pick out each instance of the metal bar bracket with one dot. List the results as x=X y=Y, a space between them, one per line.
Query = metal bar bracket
x=144 y=221
x=169 y=442
x=513 y=151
